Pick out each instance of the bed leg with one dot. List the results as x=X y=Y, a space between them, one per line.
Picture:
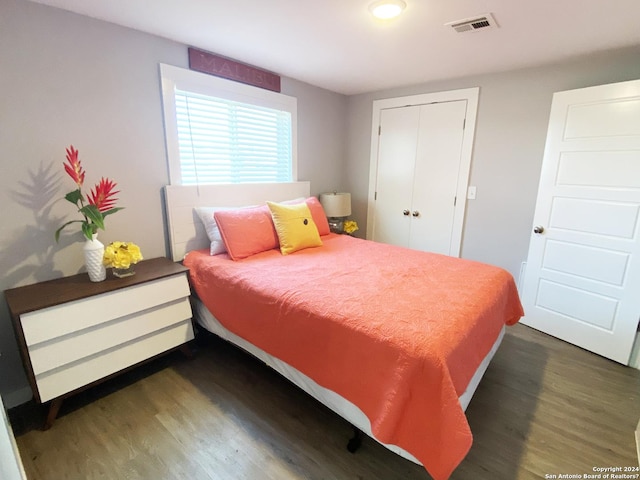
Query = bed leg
x=355 y=441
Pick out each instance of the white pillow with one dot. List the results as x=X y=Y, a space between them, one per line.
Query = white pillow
x=213 y=232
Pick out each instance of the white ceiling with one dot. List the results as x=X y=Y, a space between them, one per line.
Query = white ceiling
x=337 y=45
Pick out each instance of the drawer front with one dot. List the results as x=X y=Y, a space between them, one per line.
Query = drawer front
x=74 y=347
x=47 y=324
x=62 y=380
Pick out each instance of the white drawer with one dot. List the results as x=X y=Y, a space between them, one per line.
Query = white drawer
x=53 y=322
x=62 y=380
x=52 y=354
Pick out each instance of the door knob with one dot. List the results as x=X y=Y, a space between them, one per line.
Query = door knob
x=538 y=229
x=416 y=213
x=406 y=213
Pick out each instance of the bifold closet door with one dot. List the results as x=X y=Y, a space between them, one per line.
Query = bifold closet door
x=418 y=165
x=396 y=164
x=435 y=178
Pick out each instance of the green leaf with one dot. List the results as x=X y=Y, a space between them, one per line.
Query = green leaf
x=74 y=197
x=88 y=230
x=112 y=210
x=93 y=214
x=57 y=234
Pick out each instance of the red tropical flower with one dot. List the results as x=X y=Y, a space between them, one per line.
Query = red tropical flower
x=101 y=201
x=73 y=168
x=102 y=196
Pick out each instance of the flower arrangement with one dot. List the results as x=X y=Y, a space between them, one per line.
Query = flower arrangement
x=350 y=226
x=98 y=204
x=121 y=255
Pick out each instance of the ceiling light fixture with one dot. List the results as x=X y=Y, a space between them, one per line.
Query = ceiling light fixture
x=386 y=9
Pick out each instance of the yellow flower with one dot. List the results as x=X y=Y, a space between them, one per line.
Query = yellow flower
x=121 y=254
x=350 y=226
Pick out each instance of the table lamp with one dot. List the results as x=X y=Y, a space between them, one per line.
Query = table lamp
x=337 y=206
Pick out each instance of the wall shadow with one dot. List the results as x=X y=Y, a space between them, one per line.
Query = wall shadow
x=27 y=254
x=28 y=250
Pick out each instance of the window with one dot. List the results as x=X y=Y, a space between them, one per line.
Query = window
x=220 y=131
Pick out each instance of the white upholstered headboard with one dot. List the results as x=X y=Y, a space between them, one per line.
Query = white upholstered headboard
x=186 y=231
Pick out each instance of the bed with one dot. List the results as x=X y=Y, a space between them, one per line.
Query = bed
x=393 y=340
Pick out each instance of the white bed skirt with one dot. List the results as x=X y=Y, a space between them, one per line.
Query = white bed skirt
x=335 y=402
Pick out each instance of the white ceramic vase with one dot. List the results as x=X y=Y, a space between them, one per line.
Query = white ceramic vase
x=93 y=255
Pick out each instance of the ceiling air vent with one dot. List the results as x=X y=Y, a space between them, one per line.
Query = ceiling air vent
x=481 y=22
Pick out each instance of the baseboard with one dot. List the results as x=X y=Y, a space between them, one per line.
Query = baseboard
x=523 y=269
x=17 y=397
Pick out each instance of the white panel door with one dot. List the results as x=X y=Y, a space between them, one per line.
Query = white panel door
x=419 y=156
x=435 y=178
x=396 y=164
x=582 y=281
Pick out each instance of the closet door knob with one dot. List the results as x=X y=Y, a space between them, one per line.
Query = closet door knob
x=538 y=229
x=416 y=213
x=406 y=213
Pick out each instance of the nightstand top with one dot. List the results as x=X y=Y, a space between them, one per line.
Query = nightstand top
x=46 y=294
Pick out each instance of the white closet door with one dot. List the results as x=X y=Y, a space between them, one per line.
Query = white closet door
x=419 y=155
x=435 y=178
x=396 y=161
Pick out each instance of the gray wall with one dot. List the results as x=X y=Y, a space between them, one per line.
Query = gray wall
x=511 y=127
x=66 y=79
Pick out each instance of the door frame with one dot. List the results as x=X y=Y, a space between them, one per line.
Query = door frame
x=471 y=95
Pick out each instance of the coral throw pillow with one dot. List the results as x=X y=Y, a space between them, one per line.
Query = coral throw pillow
x=246 y=231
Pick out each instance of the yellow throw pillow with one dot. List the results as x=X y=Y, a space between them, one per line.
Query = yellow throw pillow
x=295 y=227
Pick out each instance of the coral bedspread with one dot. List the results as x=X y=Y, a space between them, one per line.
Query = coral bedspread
x=397 y=332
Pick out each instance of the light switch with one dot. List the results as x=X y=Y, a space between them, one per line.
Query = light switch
x=471 y=193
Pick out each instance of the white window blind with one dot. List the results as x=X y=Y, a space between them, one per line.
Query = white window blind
x=220 y=131
x=223 y=141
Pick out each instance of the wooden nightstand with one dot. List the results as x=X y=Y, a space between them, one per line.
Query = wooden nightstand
x=74 y=333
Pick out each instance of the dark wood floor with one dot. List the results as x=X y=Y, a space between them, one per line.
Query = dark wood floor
x=543 y=408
